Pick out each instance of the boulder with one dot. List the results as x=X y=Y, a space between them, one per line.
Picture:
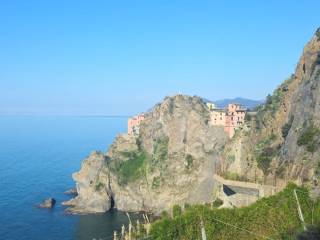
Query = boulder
x=72 y=191
x=47 y=203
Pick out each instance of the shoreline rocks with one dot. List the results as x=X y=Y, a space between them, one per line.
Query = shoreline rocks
x=47 y=203
x=72 y=191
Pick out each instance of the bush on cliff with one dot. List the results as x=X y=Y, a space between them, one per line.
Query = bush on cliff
x=132 y=169
x=160 y=150
x=286 y=128
x=309 y=137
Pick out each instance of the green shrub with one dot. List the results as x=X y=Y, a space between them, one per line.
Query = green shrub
x=160 y=150
x=131 y=169
x=264 y=159
x=309 y=138
x=187 y=206
x=217 y=203
x=286 y=128
x=156 y=182
x=231 y=176
x=248 y=117
x=99 y=186
x=189 y=161
x=273 y=101
x=164 y=214
x=176 y=211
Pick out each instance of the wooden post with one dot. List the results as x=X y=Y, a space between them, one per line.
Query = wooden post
x=299 y=210
x=130 y=229
x=147 y=218
x=123 y=229
x=138 y=227
x=203 y=231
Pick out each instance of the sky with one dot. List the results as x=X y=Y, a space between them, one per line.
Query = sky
x=121 y=57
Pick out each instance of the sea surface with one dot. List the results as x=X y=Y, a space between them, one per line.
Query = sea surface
x=37 y=157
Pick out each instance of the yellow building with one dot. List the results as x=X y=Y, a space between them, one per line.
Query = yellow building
x=211 y=106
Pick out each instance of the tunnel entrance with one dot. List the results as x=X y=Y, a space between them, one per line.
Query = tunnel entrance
x=228 y=191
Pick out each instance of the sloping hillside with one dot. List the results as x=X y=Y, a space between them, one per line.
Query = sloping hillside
x=282 y=141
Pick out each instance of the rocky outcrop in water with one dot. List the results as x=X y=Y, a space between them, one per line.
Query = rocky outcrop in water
x=172 y=161
x=48 y=203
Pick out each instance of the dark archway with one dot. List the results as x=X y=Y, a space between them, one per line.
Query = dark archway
x=112 y=202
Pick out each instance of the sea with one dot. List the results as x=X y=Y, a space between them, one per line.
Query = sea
x=38 y=155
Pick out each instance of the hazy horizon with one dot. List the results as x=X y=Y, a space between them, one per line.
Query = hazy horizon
x=121 y=58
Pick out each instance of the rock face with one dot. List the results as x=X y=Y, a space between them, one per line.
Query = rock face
x=94 y=193
x=72 y=191
x=48 y=203
x=172 y=161
x=281 y=143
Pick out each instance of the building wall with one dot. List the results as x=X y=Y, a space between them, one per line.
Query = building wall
x=134 y=124
x=218 y=118
x=231 y=118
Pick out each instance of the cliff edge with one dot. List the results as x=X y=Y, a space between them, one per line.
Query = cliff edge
x=171 y=161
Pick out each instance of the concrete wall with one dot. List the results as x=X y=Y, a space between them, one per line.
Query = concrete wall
x=240 y=194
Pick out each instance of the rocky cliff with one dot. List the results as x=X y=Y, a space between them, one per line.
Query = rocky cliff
x=281 y=142
x=172 y=161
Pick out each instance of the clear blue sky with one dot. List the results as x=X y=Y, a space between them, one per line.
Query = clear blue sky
x=122 y=57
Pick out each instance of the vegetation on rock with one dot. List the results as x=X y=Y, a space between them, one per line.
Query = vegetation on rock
x=309 y=137
x=275 y=217
x=99 y=186
x=265 y=153
x=160 y=150
x=176 y=211
x=131 y=169
x=286 y=128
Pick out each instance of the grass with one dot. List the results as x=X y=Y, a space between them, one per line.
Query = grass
x=176 y=211
x=275 y=217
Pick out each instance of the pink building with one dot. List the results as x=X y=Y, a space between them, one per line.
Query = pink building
x=231 y=118
x=134 y=124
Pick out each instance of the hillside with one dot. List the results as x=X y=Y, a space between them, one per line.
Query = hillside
x=281 y=143
x=247 y=103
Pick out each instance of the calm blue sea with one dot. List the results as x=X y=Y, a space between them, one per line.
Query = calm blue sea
x=37 y=157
